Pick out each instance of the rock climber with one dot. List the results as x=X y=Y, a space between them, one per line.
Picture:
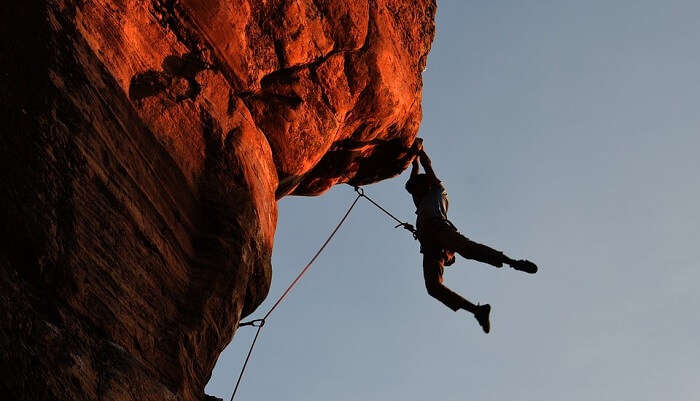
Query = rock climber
x=440 y=239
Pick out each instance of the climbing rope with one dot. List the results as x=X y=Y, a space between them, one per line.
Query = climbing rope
x=260 y=323
x=405 y=225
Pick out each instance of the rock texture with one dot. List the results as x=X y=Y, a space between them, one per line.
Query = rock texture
x=144 y=146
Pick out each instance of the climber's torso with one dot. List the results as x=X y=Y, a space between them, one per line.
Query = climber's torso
x=432 y=206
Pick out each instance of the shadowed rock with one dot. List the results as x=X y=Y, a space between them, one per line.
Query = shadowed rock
x=144 y=146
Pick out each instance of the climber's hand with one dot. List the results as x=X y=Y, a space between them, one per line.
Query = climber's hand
x=418 y=143
x=417 y=146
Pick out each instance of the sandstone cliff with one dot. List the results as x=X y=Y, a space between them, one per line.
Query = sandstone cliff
x=144 y=145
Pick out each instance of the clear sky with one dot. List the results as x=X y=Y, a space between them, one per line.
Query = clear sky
x=566 y=132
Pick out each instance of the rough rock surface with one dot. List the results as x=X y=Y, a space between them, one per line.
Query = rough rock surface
x=144 y=145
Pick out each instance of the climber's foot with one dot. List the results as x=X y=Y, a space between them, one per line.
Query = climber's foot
x=524 y=266
x=482 y=316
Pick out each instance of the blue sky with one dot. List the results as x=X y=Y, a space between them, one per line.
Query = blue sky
x=566 y=132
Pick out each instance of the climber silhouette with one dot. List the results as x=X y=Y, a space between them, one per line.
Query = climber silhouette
x=440 y=239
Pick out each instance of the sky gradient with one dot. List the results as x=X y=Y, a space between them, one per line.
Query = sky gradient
x=566 y=132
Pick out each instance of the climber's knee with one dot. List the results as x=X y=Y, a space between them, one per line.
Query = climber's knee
x=434 y=288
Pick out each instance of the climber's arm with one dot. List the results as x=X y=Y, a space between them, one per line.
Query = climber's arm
x=427 y=165
x=415 y=167
x=415 y=150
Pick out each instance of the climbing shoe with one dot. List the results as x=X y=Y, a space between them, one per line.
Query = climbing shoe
x=482 y=316
x=524 y=266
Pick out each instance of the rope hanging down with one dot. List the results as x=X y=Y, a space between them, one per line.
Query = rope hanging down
x=259 y=323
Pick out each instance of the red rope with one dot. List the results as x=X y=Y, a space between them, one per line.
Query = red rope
x=259 y=323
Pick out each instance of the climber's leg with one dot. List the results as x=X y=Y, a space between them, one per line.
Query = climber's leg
x=432 y=273
x=454 y=241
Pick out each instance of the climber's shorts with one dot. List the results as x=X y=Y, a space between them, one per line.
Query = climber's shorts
x=429 y=239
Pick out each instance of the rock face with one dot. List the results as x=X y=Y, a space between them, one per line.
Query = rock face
x=144 y=146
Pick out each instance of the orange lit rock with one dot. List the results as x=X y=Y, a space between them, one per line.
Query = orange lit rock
x=145 y=144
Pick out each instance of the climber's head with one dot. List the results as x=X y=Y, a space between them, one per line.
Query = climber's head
x=419 y=185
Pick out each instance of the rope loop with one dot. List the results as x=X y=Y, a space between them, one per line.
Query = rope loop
x=359 y=190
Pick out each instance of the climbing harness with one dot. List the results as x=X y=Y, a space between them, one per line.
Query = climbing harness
x=260 y=323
